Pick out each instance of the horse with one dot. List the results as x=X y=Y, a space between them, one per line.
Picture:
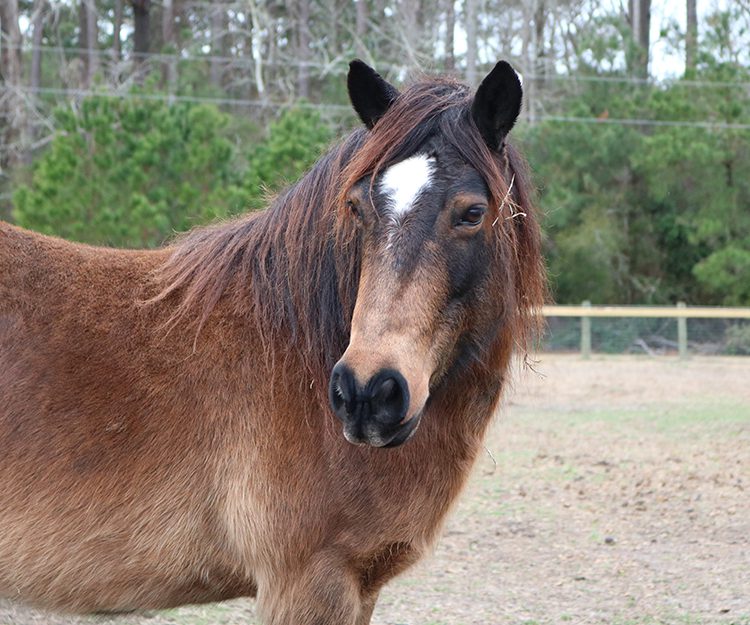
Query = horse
x=284 y=405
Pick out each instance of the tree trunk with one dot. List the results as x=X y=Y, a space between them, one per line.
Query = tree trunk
x=83 y=45
x=450 y=27
x=411 y=31
x=12 y=107
x=10 y=50
x=167 y=25
x=334 y=10
x=169 y=68
x=539 y=66
x=142 y=30
x=10 y=43
x=37 y=24
x=526 y=32
x=256 y=46
x=117 y=27
x=303 y=48
x=361 y=28
x=470 y=9
x=640 y=22
x=92 y=36
x=218 y=49
x=691 y=37
x=540 y=51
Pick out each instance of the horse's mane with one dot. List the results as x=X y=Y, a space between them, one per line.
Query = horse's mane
x=294 y=268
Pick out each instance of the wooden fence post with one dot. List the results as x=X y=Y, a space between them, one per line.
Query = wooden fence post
x=682 y=336
x=586 y=333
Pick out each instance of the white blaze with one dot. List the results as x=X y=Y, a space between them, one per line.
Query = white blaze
x=403 y=182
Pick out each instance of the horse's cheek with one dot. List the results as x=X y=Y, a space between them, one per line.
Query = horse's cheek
x=467 y=265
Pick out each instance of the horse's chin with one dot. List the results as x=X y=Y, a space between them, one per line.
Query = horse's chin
x=401 y=436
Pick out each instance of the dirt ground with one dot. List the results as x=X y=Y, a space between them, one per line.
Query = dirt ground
x=613 y=491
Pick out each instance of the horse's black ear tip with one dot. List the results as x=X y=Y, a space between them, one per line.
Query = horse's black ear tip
x=357 y=67
x=507 y=72
x=354 y=67
x=369 y=93
x=497 y=103
x=360 y=74
x=503 y=66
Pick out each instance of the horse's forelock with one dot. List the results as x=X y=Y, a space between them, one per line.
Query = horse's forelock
x=410 y=121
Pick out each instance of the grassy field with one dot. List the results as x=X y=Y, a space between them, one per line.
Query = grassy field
x=613 y=491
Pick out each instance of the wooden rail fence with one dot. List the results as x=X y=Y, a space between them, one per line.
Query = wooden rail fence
x=681 y=313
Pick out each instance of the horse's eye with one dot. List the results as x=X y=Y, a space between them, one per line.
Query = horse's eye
x=473 y=215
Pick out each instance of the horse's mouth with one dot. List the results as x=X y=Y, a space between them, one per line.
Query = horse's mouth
x=368 y=436
x=406 y=433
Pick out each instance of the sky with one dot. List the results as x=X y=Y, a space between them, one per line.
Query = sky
x=666 y=63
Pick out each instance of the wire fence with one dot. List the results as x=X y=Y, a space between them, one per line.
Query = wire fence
x=243 y=82
x=339 y=65
x=656 y=331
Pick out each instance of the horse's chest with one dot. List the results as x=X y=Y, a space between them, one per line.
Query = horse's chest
x=376 y=568
x=398 y=518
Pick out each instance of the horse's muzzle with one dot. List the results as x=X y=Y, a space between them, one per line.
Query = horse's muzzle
x=373 y=413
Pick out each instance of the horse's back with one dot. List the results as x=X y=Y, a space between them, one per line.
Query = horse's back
x=101 y=499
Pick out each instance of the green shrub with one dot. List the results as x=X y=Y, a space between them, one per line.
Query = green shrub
x=130 y=172
x=294 y=143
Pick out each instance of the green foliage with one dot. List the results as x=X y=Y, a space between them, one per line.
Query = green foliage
x=650 y=214
x=293 y=144
x=701 y=177
x=726 y=273
x=587 y=196
x=130 y=172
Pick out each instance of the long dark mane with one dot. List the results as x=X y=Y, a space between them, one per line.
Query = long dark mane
x=297 y=263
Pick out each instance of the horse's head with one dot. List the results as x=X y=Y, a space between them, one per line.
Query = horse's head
x=437 y=274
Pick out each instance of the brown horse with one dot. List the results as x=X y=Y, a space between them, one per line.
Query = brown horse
x=171 y=421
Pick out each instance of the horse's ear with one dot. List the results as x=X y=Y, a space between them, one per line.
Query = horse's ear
x=497 y=104
x=370 y=94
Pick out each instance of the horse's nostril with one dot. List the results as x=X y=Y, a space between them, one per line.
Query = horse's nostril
x=341 y=390
x=384 y=399
x=390 y=397
x=386 y=391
